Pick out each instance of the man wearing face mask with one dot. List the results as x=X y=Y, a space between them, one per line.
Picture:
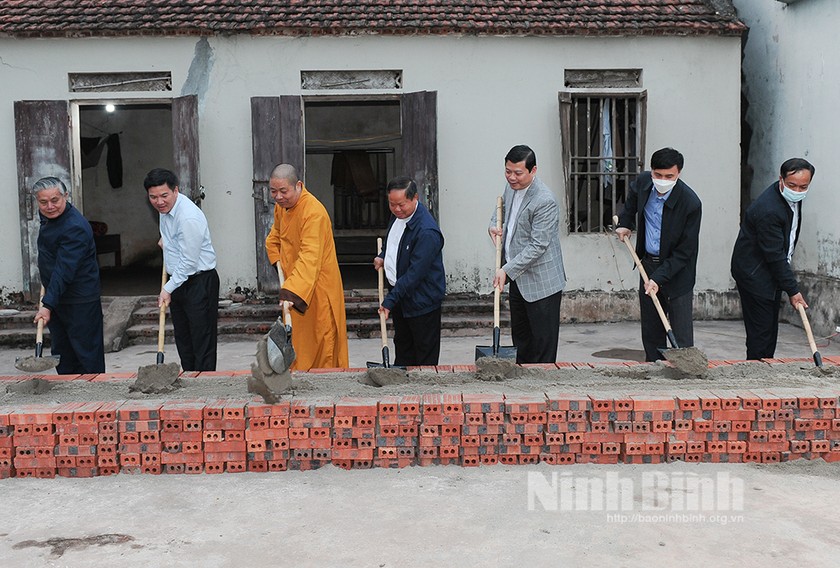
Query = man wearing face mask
x=667 y=213
x=762 y=255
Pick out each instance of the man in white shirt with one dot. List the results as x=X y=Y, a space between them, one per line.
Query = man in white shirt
x=192 y=292
x=413 y=261
x=533 y=260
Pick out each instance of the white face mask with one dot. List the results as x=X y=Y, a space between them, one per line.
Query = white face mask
x=664 y=185
x=791 y=195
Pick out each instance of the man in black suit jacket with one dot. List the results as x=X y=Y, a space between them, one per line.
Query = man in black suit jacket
x=762 y=254
x=667 y=241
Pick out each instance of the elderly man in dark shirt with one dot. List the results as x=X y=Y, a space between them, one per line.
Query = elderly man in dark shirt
x=72 y=306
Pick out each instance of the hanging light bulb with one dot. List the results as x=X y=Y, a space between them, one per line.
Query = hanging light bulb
x=110 y=107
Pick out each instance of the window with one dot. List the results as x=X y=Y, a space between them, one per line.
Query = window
x=603 y=151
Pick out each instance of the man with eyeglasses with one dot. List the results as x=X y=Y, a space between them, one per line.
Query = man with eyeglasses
x=762 y=255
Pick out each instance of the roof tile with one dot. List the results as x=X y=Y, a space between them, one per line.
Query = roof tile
x=90 y=18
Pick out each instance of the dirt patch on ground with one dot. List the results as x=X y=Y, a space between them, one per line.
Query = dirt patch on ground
x=618 y=380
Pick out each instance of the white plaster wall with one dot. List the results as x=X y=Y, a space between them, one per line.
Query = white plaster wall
x=792 y=74
x=493 y=93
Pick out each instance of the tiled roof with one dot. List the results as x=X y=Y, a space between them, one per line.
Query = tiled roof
x=89 y=18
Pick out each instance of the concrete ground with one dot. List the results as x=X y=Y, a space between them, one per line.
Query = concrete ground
x=760 y=515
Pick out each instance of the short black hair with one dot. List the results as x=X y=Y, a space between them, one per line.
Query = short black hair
x=160 y=176
x=522 y=153
x=666 y=158
x=794 y=165
x=403 y=182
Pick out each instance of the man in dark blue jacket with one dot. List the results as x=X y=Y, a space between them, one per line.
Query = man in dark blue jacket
x=667 y=213
x=72 y=307
x=413 y=264
x=761 y=258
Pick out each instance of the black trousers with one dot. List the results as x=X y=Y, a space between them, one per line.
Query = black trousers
x=195 y=313
x=680 y=315
x=761 y=322
x=535 y=326
x=76 y=337
x=416 y=339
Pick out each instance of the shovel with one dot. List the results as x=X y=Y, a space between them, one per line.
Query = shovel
x=281 y=353
x=817 y=357
x=37 y=363
x=689 y=360
x=383 y=327
x=495 y=350
x=270 y=376
x=377 y=371
x=160 y=377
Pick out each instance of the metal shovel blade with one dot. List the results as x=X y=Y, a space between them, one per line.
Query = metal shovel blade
x=281 y=354
x=496 y=350
x=386 y=360
x=36 y=364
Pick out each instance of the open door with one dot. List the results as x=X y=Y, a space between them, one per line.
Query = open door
x=185 y=146
x=419 y=143
x=277 y=138
x=42 y=138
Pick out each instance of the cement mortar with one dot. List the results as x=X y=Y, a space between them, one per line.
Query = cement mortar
x=157 y=379
x=619 y=380
x=689 y=360
x=384 y=376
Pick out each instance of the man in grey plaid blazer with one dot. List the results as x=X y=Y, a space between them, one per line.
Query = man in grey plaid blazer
x=532 y=259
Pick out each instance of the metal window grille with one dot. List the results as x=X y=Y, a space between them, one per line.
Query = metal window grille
x=603 y=146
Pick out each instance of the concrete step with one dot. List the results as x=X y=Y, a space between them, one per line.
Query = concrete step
x=451 y=326
x=463 y=315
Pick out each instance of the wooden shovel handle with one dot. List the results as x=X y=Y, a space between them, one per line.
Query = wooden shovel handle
x=287 y=315
x=807 y=325
x=162 y=316
x=645 y=279
x=383 y=328
x=39 y=327
x=497 y=292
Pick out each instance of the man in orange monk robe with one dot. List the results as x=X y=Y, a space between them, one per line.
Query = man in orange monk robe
x=302 y=240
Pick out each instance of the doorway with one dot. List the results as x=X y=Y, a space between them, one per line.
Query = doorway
x=352 y=149
x=118 y=144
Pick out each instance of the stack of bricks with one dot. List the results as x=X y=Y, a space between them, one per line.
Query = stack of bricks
x=107 y=454
x=310 y=434
x=182 y=436
x=78 y=439
x=7 y=447
x=224 y=437
x=523 y=433
x=484 y=424
x=568 y=431
x=267 y=436
x=397 y=431
x=354 y=433
x=442 y=416
x=138 y=426
x=34 y=441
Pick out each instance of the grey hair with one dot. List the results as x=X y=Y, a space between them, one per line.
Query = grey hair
x=285 y=171
x=49 y=183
